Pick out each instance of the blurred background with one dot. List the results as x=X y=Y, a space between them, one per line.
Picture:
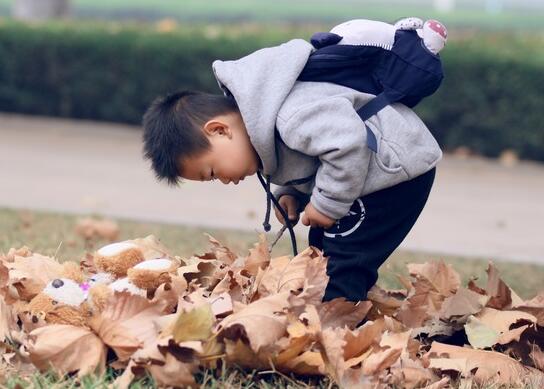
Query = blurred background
x=77 y=75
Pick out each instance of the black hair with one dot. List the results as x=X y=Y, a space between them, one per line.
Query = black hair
x=173 y=128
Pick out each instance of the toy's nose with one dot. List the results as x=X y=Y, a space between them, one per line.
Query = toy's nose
x=57 y=283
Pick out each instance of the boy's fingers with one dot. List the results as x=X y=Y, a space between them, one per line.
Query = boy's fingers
x=279 y=216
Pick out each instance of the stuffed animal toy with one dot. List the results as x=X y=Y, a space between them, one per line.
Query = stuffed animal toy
x=123 y=267
x=150 y=274
x=62 y=301
x=117 y=258
x=376 y=33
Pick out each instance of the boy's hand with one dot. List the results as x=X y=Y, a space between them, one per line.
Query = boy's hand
x=290 y=205
x=312 y=217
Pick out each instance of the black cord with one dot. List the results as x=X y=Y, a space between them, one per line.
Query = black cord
x=270 y=196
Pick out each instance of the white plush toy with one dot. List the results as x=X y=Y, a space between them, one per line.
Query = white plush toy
x=381 y=34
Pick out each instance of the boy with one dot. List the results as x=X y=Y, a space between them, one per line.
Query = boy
x=307 y=138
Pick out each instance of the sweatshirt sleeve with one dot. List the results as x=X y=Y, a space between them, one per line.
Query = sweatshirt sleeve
x=331 y=130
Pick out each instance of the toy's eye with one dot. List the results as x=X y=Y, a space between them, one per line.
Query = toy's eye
x=54 y=302
x=57 y=283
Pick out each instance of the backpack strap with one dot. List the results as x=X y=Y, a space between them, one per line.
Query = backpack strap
x=367 y=111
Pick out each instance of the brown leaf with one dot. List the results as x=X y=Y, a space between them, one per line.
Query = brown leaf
x=490 y=366
x=66 y=349
x=8 y=321
x=410 y=374
x=382 y=303
x=307 y=363
x=339 y=312
x=423 y=303
x=258 y=257
x=501 y=295
x=377 y=362
x=170 y=292
x=127 y=323
x=219 y=252
x=261 y=323
x=434 y=282
x=333 y=343
x=195 y=324
x=151 y=247
x=316 y=279
x=444 y=382
x=206 y=272
x=535 y=307
x=443 y=278
x=90 y=229
x=29 y=275
x=169 y=364
x=360 y=340
x=239 y=353
x=492 y=326
x=283 y=274
x=462 y=304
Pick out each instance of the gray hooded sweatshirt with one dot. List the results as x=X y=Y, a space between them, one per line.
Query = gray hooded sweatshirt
x=309 y=137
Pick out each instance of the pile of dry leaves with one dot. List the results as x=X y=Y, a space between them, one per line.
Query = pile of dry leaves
x=261 y=312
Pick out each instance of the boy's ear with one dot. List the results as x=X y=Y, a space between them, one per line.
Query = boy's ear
x=217 y=127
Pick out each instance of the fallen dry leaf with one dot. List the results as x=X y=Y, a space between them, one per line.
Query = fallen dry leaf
x=93 y=229
x=195 y=324
x=267 y=313
x=127 y=323
x=489 y=366
x=29 y=275
x=66 y=348
x=248 y=323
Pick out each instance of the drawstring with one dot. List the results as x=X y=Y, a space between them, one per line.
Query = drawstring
x=266 y=223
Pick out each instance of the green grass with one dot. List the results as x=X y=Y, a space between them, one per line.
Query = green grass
x=53 y=234
x=230 y=378
x=292 y=11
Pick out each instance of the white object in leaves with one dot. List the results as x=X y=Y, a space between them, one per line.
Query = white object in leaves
x=154 y=264
x=116 y=248
x=101 y=278
x=65 y=291
x=124 y=284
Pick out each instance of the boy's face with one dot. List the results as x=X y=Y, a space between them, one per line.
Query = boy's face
x=231 y=158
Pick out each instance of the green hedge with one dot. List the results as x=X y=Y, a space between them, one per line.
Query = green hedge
x=491 y=98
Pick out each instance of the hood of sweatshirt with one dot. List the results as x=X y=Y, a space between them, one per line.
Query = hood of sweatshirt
x=260 y=82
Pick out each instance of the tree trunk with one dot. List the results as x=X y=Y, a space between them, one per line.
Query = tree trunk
x=40 y=9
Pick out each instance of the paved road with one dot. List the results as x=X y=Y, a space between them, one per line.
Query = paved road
x=477 y=207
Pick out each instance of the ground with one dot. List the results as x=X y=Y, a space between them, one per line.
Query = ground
x=477 y=208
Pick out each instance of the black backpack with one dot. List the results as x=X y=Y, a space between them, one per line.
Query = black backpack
x=407 y=73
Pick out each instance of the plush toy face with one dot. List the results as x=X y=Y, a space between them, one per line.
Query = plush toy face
x=117 y=258
x=62 y=301
x=65 y=291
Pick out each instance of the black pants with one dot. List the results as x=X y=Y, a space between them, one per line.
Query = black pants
x=361 y=241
